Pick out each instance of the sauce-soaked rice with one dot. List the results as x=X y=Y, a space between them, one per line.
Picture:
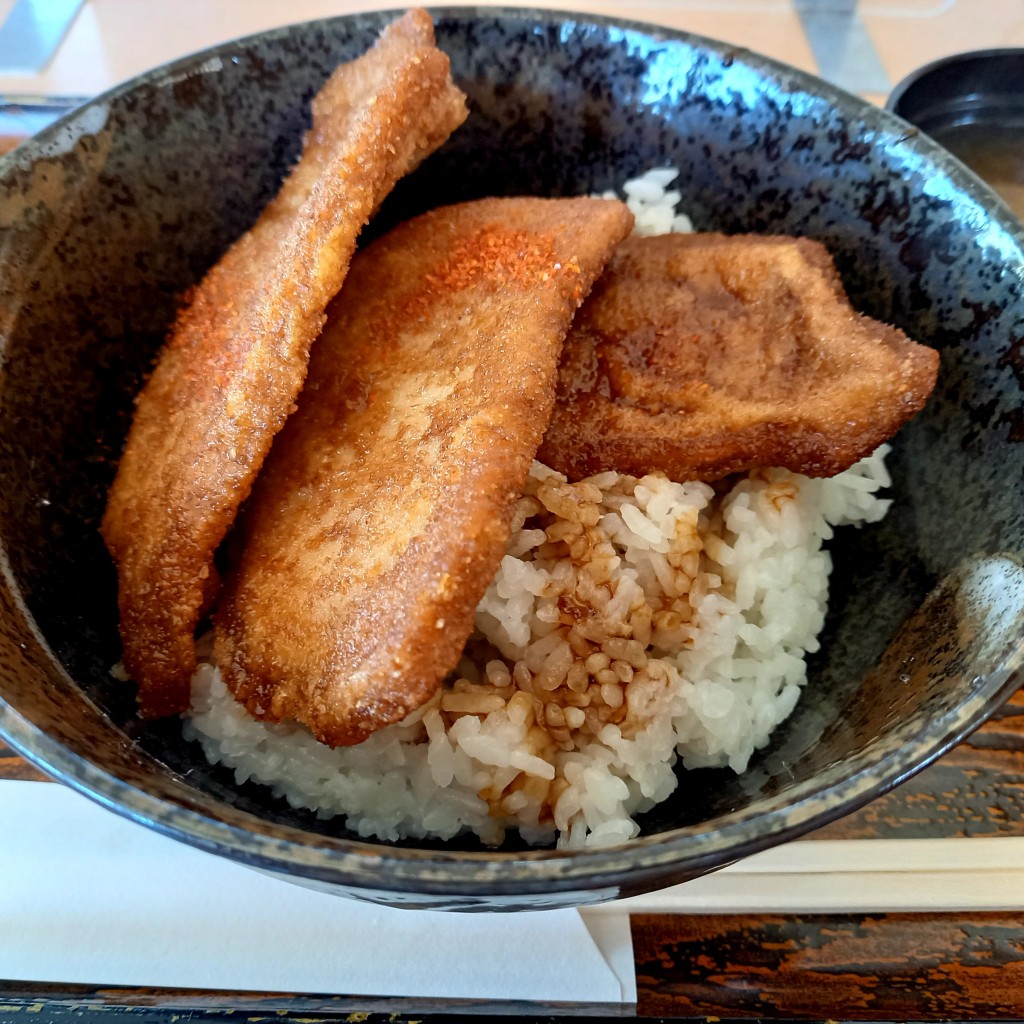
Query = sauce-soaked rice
x=593 y=654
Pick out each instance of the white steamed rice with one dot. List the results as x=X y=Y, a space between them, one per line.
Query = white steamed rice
x=631 y=623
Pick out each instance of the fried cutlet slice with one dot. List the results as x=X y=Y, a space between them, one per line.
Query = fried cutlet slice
x=237 y=355
x=385 y=506
x=704 y=355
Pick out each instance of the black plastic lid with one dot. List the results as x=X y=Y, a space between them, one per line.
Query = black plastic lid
x=986 y=85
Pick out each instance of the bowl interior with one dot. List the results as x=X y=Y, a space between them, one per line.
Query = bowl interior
x=115 y=211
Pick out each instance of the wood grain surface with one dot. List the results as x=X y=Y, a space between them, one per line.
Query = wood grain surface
x=860 y=967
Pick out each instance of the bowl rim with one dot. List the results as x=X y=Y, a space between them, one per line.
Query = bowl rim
x=682 y=853
x=372 y=867
x=919 y=74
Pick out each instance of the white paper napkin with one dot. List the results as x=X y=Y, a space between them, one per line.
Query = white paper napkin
x=88 y=897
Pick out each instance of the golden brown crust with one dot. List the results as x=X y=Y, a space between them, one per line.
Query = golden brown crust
x=385 y=506
x=237 y=356
x=704 y=355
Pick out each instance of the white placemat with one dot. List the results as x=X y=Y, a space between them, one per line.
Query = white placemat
x=88 y=897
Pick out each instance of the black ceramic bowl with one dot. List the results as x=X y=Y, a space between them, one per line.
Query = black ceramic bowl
x=112 y=212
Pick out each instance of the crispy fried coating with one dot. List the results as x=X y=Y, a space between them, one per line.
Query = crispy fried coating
x=704 y=355
x=385 y=506
x=237 y=355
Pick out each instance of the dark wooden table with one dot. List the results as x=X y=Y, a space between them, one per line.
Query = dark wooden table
x=923 y=966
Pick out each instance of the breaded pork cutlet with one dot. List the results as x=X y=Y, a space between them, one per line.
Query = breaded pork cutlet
x=237 y=355
x=704 y=355
x=385 y=506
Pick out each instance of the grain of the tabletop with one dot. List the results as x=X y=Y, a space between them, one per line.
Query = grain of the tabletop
x=847 y=967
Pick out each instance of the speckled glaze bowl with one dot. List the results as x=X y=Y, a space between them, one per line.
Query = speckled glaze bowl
x=109 y=215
